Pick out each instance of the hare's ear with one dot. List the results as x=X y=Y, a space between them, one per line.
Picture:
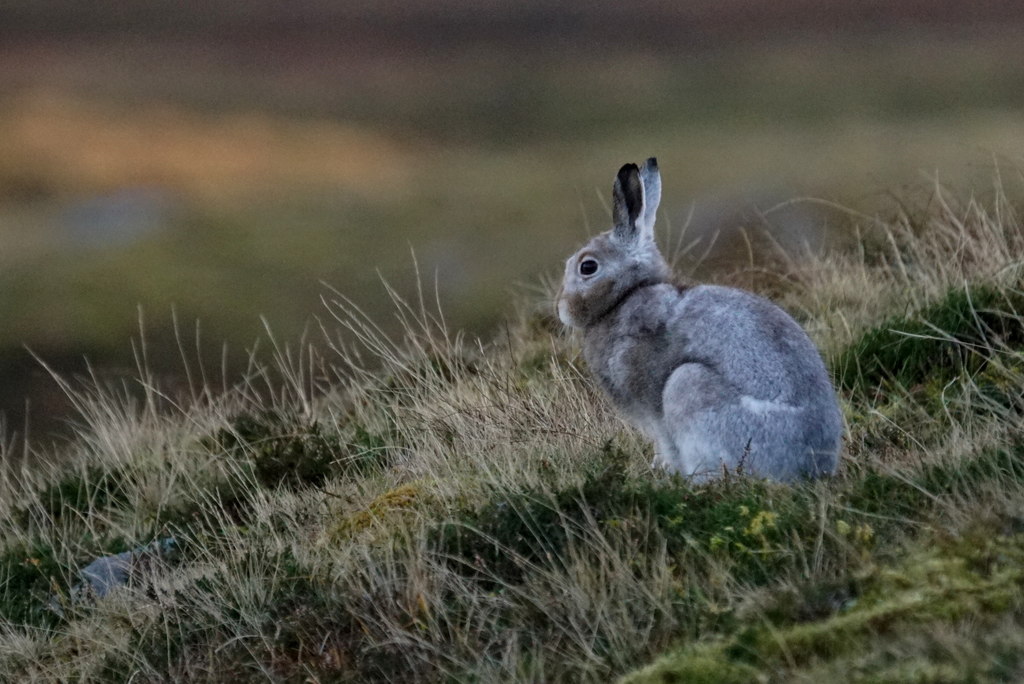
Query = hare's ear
x=627 y=202
x=650 y=177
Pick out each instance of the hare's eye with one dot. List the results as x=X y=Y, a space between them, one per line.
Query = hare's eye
x=588 y=267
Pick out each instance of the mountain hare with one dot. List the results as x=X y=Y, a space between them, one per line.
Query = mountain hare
x=721 y=379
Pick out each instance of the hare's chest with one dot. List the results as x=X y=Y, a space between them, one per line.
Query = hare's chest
x=632 y=368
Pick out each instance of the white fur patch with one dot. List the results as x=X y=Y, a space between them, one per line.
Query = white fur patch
x=762 y=407
x=563 y=313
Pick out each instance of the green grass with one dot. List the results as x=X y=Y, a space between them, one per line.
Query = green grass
x=975 y=579
x=432 y=508
x=961 y=333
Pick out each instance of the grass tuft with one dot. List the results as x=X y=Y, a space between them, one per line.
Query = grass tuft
x=961 y=334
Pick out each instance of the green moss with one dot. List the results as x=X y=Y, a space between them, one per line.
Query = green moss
x=699 y=666
x=977 y=577
x=393 y=501
x=960 y=334
x=30 y=573
x=916 y=671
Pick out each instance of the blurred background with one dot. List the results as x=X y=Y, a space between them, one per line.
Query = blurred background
x=224 y=162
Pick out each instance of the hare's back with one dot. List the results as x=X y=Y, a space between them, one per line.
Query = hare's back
x=757 y=346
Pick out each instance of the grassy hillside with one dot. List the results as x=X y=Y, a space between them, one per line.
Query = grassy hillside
x=436 y=508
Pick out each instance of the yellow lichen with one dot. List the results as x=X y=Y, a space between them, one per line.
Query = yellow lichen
x=398 y=499
x=864 y=533
x=761 y=523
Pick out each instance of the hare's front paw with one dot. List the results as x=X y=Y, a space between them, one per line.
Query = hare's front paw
x=663 y=450
x=660 y=460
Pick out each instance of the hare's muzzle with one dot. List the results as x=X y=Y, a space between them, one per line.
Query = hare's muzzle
x=562 y=308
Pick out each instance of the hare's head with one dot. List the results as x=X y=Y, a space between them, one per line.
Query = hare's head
x=613 y=264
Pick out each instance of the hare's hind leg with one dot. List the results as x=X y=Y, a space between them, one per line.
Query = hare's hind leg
x=693 y=401
x=716 y=430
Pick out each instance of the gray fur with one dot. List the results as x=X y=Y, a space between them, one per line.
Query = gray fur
x=720 y=379
x=651 y=179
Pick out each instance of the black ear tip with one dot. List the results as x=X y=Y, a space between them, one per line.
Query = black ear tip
x=651 y=163
x=626 y=171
